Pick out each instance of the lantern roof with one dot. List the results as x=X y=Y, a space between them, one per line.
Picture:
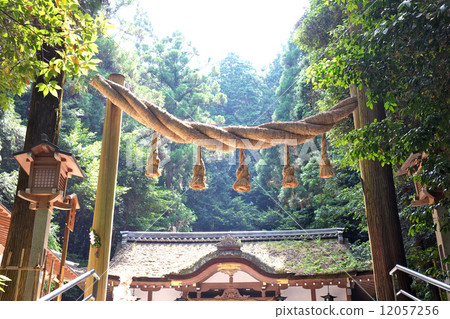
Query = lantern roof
x=412 y=160
x=47 y=149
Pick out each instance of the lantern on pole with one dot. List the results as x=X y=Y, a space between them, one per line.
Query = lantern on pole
x=48 y=168
x=328 y=296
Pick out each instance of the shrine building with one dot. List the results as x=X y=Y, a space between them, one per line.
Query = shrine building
x=292 y=265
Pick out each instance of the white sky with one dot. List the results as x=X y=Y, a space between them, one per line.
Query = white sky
x=254 y=30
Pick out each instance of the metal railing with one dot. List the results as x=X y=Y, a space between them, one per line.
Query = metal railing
x=73 y=283
x=418 y=275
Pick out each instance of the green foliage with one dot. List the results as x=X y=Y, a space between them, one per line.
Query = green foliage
x=315 y=257
x=361 y=251
x=53 y=240
x=11 y=141
x=393 y=53
x=28 y=27
x=3 y=280
x=398 y=51
x=245 y=91
x=94 y=238
x=186 y=90
x=425 y=261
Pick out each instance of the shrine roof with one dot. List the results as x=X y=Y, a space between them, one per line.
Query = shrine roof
x=202 y=237
x=299 y=252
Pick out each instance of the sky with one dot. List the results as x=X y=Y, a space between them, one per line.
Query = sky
x=254 y=30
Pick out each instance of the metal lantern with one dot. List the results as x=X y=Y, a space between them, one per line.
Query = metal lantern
x=279 y=298
x=328 y=296
x=49 y=169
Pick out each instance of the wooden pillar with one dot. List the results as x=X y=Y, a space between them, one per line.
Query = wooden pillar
x=443 y=240
x=313 y=294
x=39 y=244
x=65 y=248
x=106 y=188
x=385 y=236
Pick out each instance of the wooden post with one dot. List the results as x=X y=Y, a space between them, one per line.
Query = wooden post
x=36 y=286
x=106 y=189
x=385 y=234
x=41 y=292
x=64 y=254
x=19 y=274
x=50 y=275
x=443 y=240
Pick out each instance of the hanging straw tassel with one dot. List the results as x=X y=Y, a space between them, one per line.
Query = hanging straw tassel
x=326 y=170
x=289 y=180
x=198 y=179
x=242 y=183
x=152 y=169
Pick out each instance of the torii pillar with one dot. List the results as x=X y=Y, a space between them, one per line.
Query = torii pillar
x=106 y=190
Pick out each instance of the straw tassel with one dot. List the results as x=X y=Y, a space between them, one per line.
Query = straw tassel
x=326 y=170
x=198 y=179
x=242 y=183
x=289 y=180
x=152 y=169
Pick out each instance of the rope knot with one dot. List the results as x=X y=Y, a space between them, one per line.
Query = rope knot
x=326 y=170
x=152 y=169
x=198 y=179
x=242 y=183
x=289 y=180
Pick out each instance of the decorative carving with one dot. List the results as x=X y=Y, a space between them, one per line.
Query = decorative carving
x=282 y=281
x=231 y=294
x=228 y=267
x=230 y=243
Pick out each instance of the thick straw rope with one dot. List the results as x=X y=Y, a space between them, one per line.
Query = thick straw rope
x=225 y=138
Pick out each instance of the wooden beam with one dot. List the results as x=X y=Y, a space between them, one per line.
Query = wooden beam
x=106 y=189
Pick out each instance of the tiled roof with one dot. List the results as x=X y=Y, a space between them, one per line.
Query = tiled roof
x=204 y=237
x=157 y=254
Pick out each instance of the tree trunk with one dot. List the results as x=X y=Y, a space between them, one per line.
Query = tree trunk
x=386 y=242
x=44 y=117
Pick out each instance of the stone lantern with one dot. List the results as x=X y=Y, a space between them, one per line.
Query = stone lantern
x=48 y=168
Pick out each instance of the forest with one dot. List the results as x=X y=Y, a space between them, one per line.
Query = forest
x=396 y=50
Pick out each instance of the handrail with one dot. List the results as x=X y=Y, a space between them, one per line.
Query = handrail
x=407 y=294
x=73 y=283
x=416 y=274
x=411 y=272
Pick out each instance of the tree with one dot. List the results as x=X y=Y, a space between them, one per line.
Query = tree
x=59 y=41
x=244 y=89
x=370 y=45
x=31 y=28
x=187 y=94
